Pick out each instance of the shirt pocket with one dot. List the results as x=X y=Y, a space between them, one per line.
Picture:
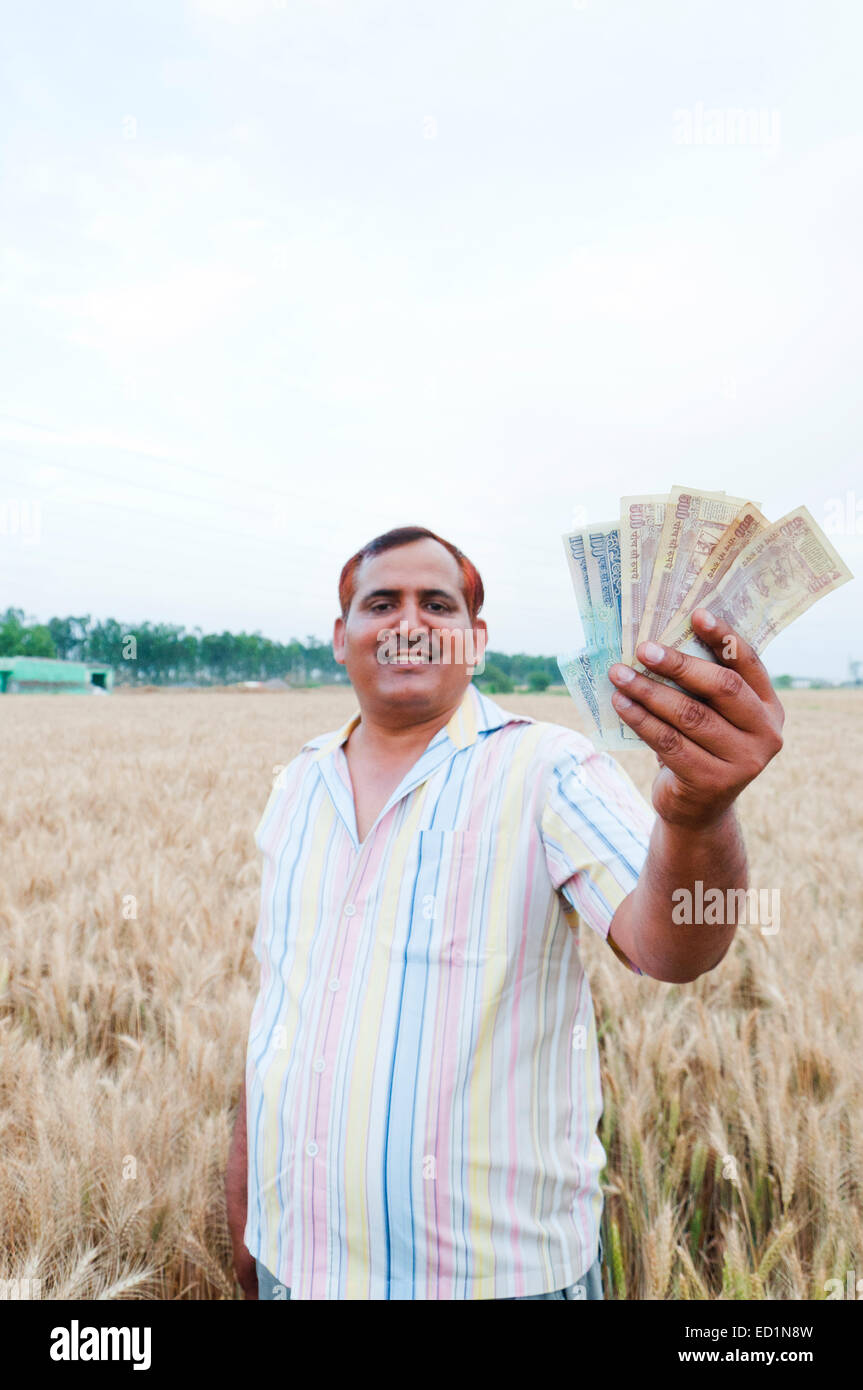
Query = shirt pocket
x=450 y=920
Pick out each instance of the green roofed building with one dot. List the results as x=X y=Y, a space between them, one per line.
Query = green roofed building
x=44 y=675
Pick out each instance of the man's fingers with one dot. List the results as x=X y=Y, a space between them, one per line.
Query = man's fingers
x=734 y=652
x=725 y=689
x=699 y=723
x=684 y=758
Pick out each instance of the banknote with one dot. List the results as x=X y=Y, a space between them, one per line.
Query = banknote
x=593 y=556
x=746 y=524
x=690 y=550
x=641 y=522
x=579 y=680
x=694 y=523
x=778 y=575
x=585 y=675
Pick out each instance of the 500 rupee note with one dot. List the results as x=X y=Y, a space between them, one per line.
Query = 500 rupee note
x=775 y=578
x=748 y=522
x=641 y=522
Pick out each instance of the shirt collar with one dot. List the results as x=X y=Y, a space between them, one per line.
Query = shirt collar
x=476 y=715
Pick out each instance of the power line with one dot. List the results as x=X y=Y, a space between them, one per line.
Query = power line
x=136 y=510
x=129 y=482
x=499 y=596
x=183 y=521
x=244 y=483
x=171 y=463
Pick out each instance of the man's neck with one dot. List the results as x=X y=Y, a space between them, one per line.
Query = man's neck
x=383 y=740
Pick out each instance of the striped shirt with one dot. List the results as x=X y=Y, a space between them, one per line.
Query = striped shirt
x=422 y=1073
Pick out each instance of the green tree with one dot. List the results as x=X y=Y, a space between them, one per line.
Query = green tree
x=16 y=639
x=538 y=680
x=12 y=632
x=494 y=681
x=37 y=642
x=64 y=637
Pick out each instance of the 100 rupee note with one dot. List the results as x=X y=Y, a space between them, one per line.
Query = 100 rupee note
x=593 y=556
x=579 y=680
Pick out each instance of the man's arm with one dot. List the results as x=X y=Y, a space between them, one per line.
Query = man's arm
x=643 y=927
x=236 y=1197
x=709 y=750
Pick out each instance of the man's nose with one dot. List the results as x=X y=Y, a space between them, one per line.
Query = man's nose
x=413 y=614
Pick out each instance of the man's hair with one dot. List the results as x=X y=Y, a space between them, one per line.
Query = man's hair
x=471 y=582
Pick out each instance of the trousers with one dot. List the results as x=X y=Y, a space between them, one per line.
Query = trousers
x=588 y=1286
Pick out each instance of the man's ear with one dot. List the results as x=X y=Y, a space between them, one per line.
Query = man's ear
x=479 y=632
x=339 y=640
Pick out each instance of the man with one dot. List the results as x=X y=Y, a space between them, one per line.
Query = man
x=418 y=1118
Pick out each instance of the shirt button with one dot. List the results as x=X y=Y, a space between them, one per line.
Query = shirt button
x=334 y=984
x=320 y=1064
x=350 y=910
x=311 y=1149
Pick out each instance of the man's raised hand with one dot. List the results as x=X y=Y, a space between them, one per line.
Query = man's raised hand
x=712 y=747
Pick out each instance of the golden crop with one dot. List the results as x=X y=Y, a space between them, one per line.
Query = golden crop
x=128 y=900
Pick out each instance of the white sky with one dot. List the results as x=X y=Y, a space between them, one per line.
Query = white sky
x=278 y=276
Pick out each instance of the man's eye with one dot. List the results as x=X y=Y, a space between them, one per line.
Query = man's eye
x=435 y=604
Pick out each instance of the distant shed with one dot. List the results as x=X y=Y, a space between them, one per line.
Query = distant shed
x=47 y=676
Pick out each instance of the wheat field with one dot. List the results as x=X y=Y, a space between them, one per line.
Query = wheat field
x=128 y=901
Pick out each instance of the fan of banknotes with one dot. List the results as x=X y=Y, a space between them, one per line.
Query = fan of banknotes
x=641 y=577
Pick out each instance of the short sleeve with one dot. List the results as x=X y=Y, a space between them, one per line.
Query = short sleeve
x=595 y=827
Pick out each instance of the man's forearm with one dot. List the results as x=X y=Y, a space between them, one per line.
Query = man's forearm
x=237 y=1200
x=236 y=1176
x=678 y=858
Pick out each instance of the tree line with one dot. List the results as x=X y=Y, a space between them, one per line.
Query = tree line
x=166 y=654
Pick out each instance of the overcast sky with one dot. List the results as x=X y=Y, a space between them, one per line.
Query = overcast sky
x=277 y=276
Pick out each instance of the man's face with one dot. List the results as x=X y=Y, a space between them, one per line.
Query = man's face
x=412 y=593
